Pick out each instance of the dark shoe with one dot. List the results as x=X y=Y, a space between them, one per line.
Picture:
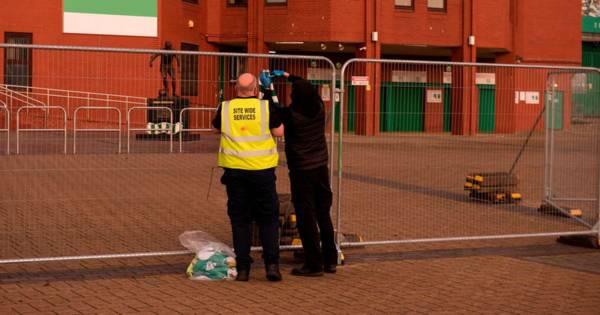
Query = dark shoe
x=243 y=275
x=307 y=272
x=330 y=268
x=273 y=273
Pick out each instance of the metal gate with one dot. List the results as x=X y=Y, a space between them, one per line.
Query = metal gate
x=572 y=168
x=409 y=186
x=95 y=202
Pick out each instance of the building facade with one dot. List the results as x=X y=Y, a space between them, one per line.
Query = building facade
x=491 y=31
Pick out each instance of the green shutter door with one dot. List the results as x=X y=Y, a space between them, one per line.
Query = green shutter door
x=487 y=108
x=447 y=108
x=351 y=108
x=587 y=103
x=383 y=108
x=221 y=77
x=350 y=99
x=558 y=112
x=402 y=108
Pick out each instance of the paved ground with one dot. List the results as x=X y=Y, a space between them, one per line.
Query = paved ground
x=540 y=278
x=395 y=187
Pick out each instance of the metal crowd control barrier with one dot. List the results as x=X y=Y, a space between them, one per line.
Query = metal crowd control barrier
x=97 y=206
x=418 y=175
x=197 y=109
x=129 y=129
x=7 y=125
x=47 y=111
x=400 y=185
x=57 y=96
x=89 y=108
x=585 y=113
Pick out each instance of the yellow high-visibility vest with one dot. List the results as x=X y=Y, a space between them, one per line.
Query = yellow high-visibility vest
x=246 y=140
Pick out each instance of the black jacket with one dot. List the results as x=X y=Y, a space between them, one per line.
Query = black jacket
x=304 y=121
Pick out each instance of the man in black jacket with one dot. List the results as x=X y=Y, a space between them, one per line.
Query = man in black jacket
x=307 y=157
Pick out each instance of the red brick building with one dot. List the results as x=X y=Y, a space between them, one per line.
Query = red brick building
x=496 y=31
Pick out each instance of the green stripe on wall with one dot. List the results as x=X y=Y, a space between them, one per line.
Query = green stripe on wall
x=114 y=7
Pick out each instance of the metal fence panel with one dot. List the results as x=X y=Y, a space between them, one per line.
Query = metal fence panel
x=573 y=163
x=414 y=131
x=98 y=203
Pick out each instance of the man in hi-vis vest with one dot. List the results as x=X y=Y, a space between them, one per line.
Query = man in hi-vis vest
x=248 y=155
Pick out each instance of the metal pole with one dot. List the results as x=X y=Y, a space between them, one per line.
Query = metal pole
x=181 y=131
x=158 y=51
x=547 y=141
x=112 y=256
x=88 y=105
x=7 y=123
x=463 y=238
x=7 y=131
x=127 y=115
x=75 y=130
x=17 y=129
x=119 y=130
x=64 y=128
x=340 y=153
x=128 y=127
x=551 y=131
x=331 y=154
x=47 y=105
x=171 y=132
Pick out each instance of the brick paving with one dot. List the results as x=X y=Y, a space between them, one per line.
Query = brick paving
x=86 y=204
x=53 y=205
x=437 y=281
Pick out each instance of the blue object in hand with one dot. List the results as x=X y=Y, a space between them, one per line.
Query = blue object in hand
x=265 y=79
x=277 y=73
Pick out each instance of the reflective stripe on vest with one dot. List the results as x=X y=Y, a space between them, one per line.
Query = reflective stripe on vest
x=246 y=143
x=243 y=154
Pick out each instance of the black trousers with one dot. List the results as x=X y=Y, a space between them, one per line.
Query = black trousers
x=251 y=195
x=312 y=197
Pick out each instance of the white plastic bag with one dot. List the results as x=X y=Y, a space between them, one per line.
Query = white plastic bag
x=214 y=260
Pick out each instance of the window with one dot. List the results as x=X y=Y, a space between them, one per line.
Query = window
x=189 y=71
x=278 y=2
x=404 y=4
x=237 y=66
x=436 y=5
x=191 y=1
x=17 y=61
x=237 y=3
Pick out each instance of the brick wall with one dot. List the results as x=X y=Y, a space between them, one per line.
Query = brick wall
x=549 y=31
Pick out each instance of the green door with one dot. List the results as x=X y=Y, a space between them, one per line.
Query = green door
x=487 y=108
x=558 y=112
x=221 y=79
x=447 y=108
x=586 y=103
x=350 y=110
x=402 y=108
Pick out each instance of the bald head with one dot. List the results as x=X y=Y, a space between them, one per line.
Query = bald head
x=246 y=85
